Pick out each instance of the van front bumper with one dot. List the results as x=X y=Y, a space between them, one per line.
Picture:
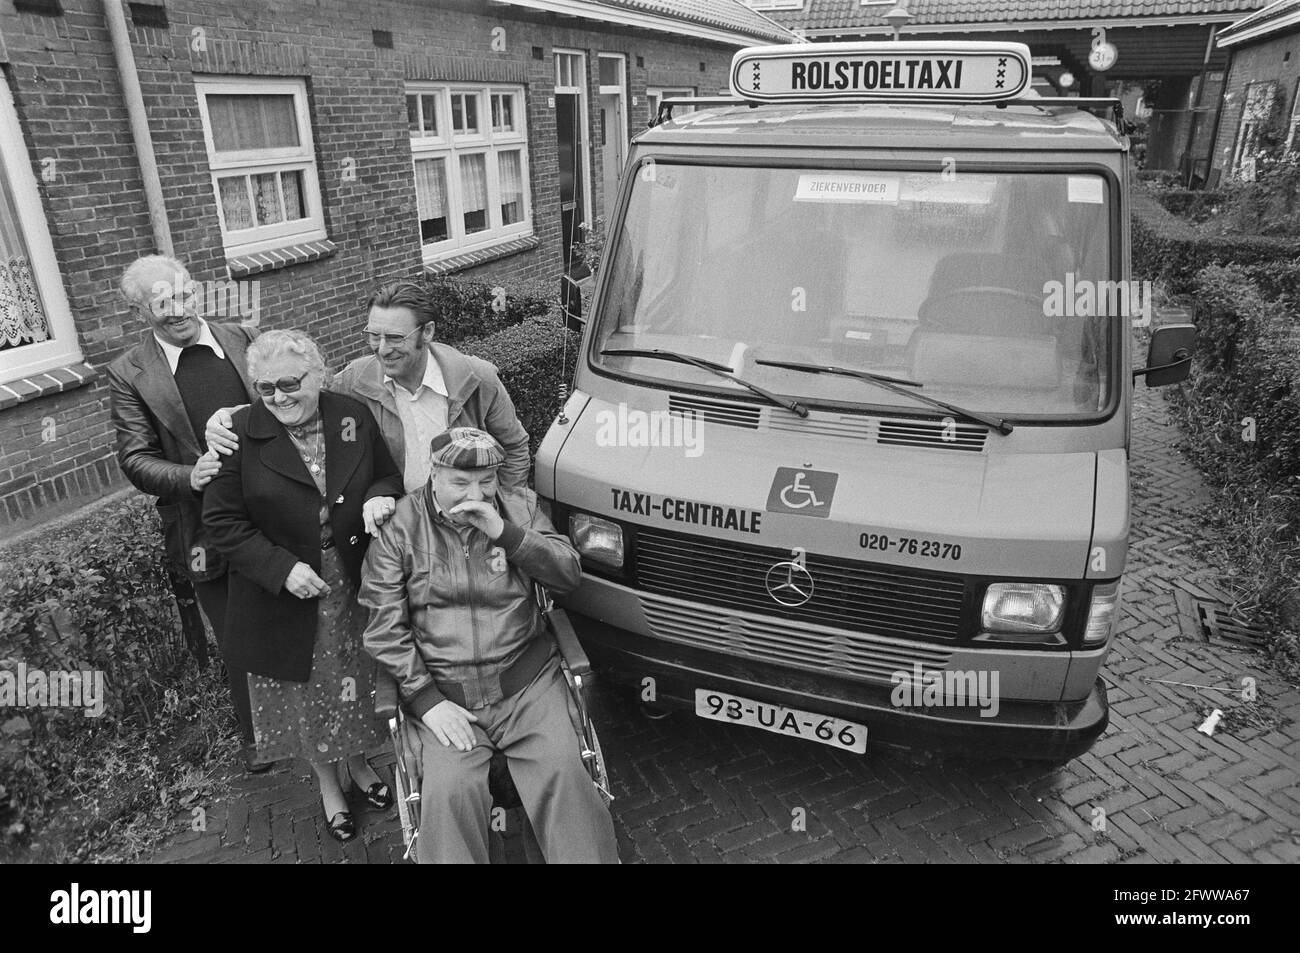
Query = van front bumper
x=1033 y=730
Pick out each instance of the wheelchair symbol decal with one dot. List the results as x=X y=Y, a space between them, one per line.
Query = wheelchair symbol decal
x=797 y=490
x=802 y=492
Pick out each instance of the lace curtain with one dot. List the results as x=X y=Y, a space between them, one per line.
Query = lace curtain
x=22 y=317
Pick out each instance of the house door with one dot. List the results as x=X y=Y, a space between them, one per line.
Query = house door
x=571 y=136
x=612 y=129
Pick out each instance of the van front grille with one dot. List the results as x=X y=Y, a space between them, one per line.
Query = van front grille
x=861 y=597
x=795 y=644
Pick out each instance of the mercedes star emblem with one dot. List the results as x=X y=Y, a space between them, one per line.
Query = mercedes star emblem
x=789 y=584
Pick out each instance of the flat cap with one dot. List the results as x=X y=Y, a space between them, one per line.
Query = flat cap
x=466 y=448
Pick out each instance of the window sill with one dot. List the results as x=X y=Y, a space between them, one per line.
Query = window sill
x=510 y=246
x=53 y=381
x=242 y=266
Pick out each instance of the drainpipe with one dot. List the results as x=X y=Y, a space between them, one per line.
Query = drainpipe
x=116 y=18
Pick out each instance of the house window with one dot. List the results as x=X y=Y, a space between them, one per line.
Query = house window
x=1255 y=114
x=470 y=149
x=654 y=96
x=263 y=163
x=36 y=332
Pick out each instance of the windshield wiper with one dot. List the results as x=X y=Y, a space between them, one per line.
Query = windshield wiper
x=719 y=369
x=898 y=386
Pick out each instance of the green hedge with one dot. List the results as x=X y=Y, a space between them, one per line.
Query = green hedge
x=534 y=357
x=1194 y=206
x=469 y=308
x=1170 y=251
x=1247 y=371
x=89 y=596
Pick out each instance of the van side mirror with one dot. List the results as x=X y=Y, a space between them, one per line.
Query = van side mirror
x=571 y=299
x=1169 y=358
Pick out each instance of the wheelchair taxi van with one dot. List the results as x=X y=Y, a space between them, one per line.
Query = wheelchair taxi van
x=407 y=769
x=847 y=450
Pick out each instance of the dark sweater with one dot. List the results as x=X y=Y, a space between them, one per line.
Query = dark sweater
x=207 y=383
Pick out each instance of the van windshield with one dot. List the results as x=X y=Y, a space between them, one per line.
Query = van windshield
x=969 y=283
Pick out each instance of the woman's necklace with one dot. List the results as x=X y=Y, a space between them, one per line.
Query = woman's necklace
x=311 y=441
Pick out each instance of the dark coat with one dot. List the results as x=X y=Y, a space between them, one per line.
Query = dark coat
x=262 y=512
x=157 y=446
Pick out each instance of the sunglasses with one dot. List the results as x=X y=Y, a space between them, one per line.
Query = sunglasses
x=287 y=385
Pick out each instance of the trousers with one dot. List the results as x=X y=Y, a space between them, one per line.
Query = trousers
x=212 y=600
x=535 y=731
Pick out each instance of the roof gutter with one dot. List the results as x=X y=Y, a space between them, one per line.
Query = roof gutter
x=646 y=21
x=1020 y=26
x=1259 y=31
x=126 y=71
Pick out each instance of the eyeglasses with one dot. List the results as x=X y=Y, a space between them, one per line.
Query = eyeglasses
x=287 y=385
x=374 y=339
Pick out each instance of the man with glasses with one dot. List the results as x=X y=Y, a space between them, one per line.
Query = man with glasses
x=162 y=391
x=417 y=388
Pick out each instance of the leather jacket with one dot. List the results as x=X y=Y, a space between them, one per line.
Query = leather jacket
x=449 y=608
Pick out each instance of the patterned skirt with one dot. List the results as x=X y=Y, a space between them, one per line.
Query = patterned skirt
x=331 y=715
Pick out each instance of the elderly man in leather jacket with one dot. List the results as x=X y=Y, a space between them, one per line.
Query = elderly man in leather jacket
x=452 y=619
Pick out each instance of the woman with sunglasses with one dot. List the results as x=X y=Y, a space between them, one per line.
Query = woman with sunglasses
x=292 y=510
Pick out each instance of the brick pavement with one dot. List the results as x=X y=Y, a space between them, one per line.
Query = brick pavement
x=689 y=790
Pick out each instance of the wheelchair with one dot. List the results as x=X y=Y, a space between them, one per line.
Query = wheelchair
x=407 y=770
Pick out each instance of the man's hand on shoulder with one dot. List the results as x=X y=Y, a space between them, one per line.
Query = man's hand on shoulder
x=217 y=432
x=450 y=724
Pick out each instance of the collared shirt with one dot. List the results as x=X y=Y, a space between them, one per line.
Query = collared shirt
x=173 y=353
x=424 y=416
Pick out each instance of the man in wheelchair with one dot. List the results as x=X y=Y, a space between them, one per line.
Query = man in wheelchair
x=449 y=585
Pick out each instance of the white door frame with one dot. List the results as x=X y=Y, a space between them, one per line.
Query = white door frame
x=584 y=124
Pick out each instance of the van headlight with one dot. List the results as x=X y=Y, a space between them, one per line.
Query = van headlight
x=599 y=540
x=1023 y=607
x=1102 y=613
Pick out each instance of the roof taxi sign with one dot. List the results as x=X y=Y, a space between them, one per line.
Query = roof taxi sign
x=882 y=72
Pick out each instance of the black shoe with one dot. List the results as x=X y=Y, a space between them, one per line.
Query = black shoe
x=378 y=795
x=252 y=765
x=341 y=826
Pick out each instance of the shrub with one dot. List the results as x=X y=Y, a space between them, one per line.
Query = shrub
x=91 y=596
x=1172 y=252
x=469 y=308
x=1241 y=412
x=1191 y=205
x=534 y=358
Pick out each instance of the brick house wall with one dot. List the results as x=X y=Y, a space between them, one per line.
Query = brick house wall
x=1275 y=59
x=56 y=450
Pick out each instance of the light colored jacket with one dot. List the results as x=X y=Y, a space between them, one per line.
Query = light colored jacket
x=443 y=609
x=475 y=398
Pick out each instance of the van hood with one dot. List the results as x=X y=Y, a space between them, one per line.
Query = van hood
x=990 y=512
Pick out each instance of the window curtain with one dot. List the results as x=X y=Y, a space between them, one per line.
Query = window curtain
x=473 y=179
x=512 y=191
x=22 y=316
x=430 y=189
